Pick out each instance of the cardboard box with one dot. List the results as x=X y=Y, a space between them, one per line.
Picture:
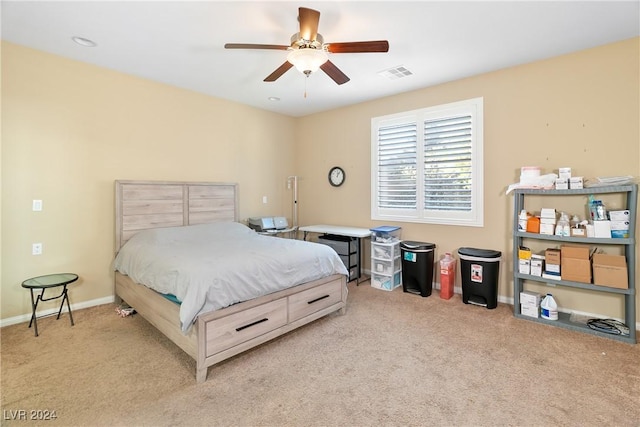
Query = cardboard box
x=575 y=263
x=552 y=261
x=529 y=310
x=610 y=270
x=602 y=229
x=524 y=252
x=619 y=215
x=530 y=298
x=578 y=232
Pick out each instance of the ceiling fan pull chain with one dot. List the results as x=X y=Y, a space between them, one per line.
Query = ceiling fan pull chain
x=305 y=85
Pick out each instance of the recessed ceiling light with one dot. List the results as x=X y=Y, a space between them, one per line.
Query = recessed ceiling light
x=273 y=98
x=84 y=42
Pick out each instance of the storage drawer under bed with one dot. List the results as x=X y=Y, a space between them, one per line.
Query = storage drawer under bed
x=237 y=328
x=306 y=302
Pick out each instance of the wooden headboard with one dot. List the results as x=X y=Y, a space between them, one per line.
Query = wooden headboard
x=141 y=205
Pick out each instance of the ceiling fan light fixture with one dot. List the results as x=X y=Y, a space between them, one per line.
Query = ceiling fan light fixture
x=307 y=60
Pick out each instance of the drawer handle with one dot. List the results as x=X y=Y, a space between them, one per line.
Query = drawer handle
x=317 y=299
x=251 y=324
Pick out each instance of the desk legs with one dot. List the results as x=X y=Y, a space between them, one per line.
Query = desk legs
x=34 y=306
x=361 y=278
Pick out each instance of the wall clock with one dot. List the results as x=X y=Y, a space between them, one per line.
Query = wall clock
x=336 y=176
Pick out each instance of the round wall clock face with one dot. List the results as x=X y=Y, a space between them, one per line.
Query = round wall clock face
x=336 y=176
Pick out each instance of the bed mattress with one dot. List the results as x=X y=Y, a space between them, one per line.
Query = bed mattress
x=212 y=266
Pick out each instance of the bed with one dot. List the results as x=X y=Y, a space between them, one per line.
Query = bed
x=155 y=208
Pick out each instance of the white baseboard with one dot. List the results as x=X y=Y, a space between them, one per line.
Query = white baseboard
x=86 y=304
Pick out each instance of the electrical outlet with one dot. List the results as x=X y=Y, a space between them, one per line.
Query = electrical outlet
x=36 y=249
x=264 y=199
x=37 y=205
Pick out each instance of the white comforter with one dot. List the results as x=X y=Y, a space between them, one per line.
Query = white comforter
x=212 y=266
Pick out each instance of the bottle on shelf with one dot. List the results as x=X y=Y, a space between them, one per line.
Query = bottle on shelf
x=563 y=225
x=549 y=308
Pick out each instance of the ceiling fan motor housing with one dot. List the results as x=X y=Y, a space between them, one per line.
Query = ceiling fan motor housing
x=297 y=42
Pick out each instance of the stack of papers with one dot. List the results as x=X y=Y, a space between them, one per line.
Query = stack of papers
x=609 y=180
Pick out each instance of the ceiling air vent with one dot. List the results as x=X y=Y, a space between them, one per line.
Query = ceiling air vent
x=395 y=73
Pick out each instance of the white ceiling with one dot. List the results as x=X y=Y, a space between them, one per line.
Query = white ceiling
x=181 y=43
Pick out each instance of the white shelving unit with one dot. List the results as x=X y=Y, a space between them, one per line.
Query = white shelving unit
x=629 y=245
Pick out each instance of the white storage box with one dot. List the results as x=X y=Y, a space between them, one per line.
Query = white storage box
x=385 y=234
x=530 y=310
x=530 y=298
x=619 y=215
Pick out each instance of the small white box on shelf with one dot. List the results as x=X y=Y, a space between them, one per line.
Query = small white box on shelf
x=562 y=184
x=576 y=183
x=530 y=298
x=602 y=229
x=537 y=262
x=530 y=310
x=548 y=229
x=547 y=213
x=564 y=173
x=619 y=215
x=524 y=266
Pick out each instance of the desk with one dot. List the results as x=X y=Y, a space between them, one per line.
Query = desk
x=43 y=283
x=278 y=232
x=338 y=230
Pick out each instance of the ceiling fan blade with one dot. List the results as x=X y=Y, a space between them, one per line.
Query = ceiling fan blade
x=309 y=19
x=278 y=72
x=255 y=46
x=334 y=72
x=359 y=47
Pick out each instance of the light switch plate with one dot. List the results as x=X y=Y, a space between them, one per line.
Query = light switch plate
x=36 y=249
x=37 y=205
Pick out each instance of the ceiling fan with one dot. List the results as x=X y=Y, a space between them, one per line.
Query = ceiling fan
x=308 y=51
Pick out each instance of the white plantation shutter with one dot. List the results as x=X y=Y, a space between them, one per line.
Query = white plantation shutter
x=427 y=165
x=447 y=163
x=397 y=164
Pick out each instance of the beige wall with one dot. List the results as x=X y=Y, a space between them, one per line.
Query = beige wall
x=70 y=129
x=579 y=110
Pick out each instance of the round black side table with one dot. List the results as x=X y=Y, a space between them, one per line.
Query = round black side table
x=43 y=283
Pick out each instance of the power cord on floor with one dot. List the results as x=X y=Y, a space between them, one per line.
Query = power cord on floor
x=608 y=326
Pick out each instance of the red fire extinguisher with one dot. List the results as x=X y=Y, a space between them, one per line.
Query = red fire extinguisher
x=447 y=276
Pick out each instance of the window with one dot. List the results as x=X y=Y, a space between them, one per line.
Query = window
x=426 y=165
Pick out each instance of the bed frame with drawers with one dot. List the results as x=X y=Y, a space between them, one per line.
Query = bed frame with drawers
x=220 y=334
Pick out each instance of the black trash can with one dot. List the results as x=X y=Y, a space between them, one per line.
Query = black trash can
x=417 y=267
x=480 y=269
